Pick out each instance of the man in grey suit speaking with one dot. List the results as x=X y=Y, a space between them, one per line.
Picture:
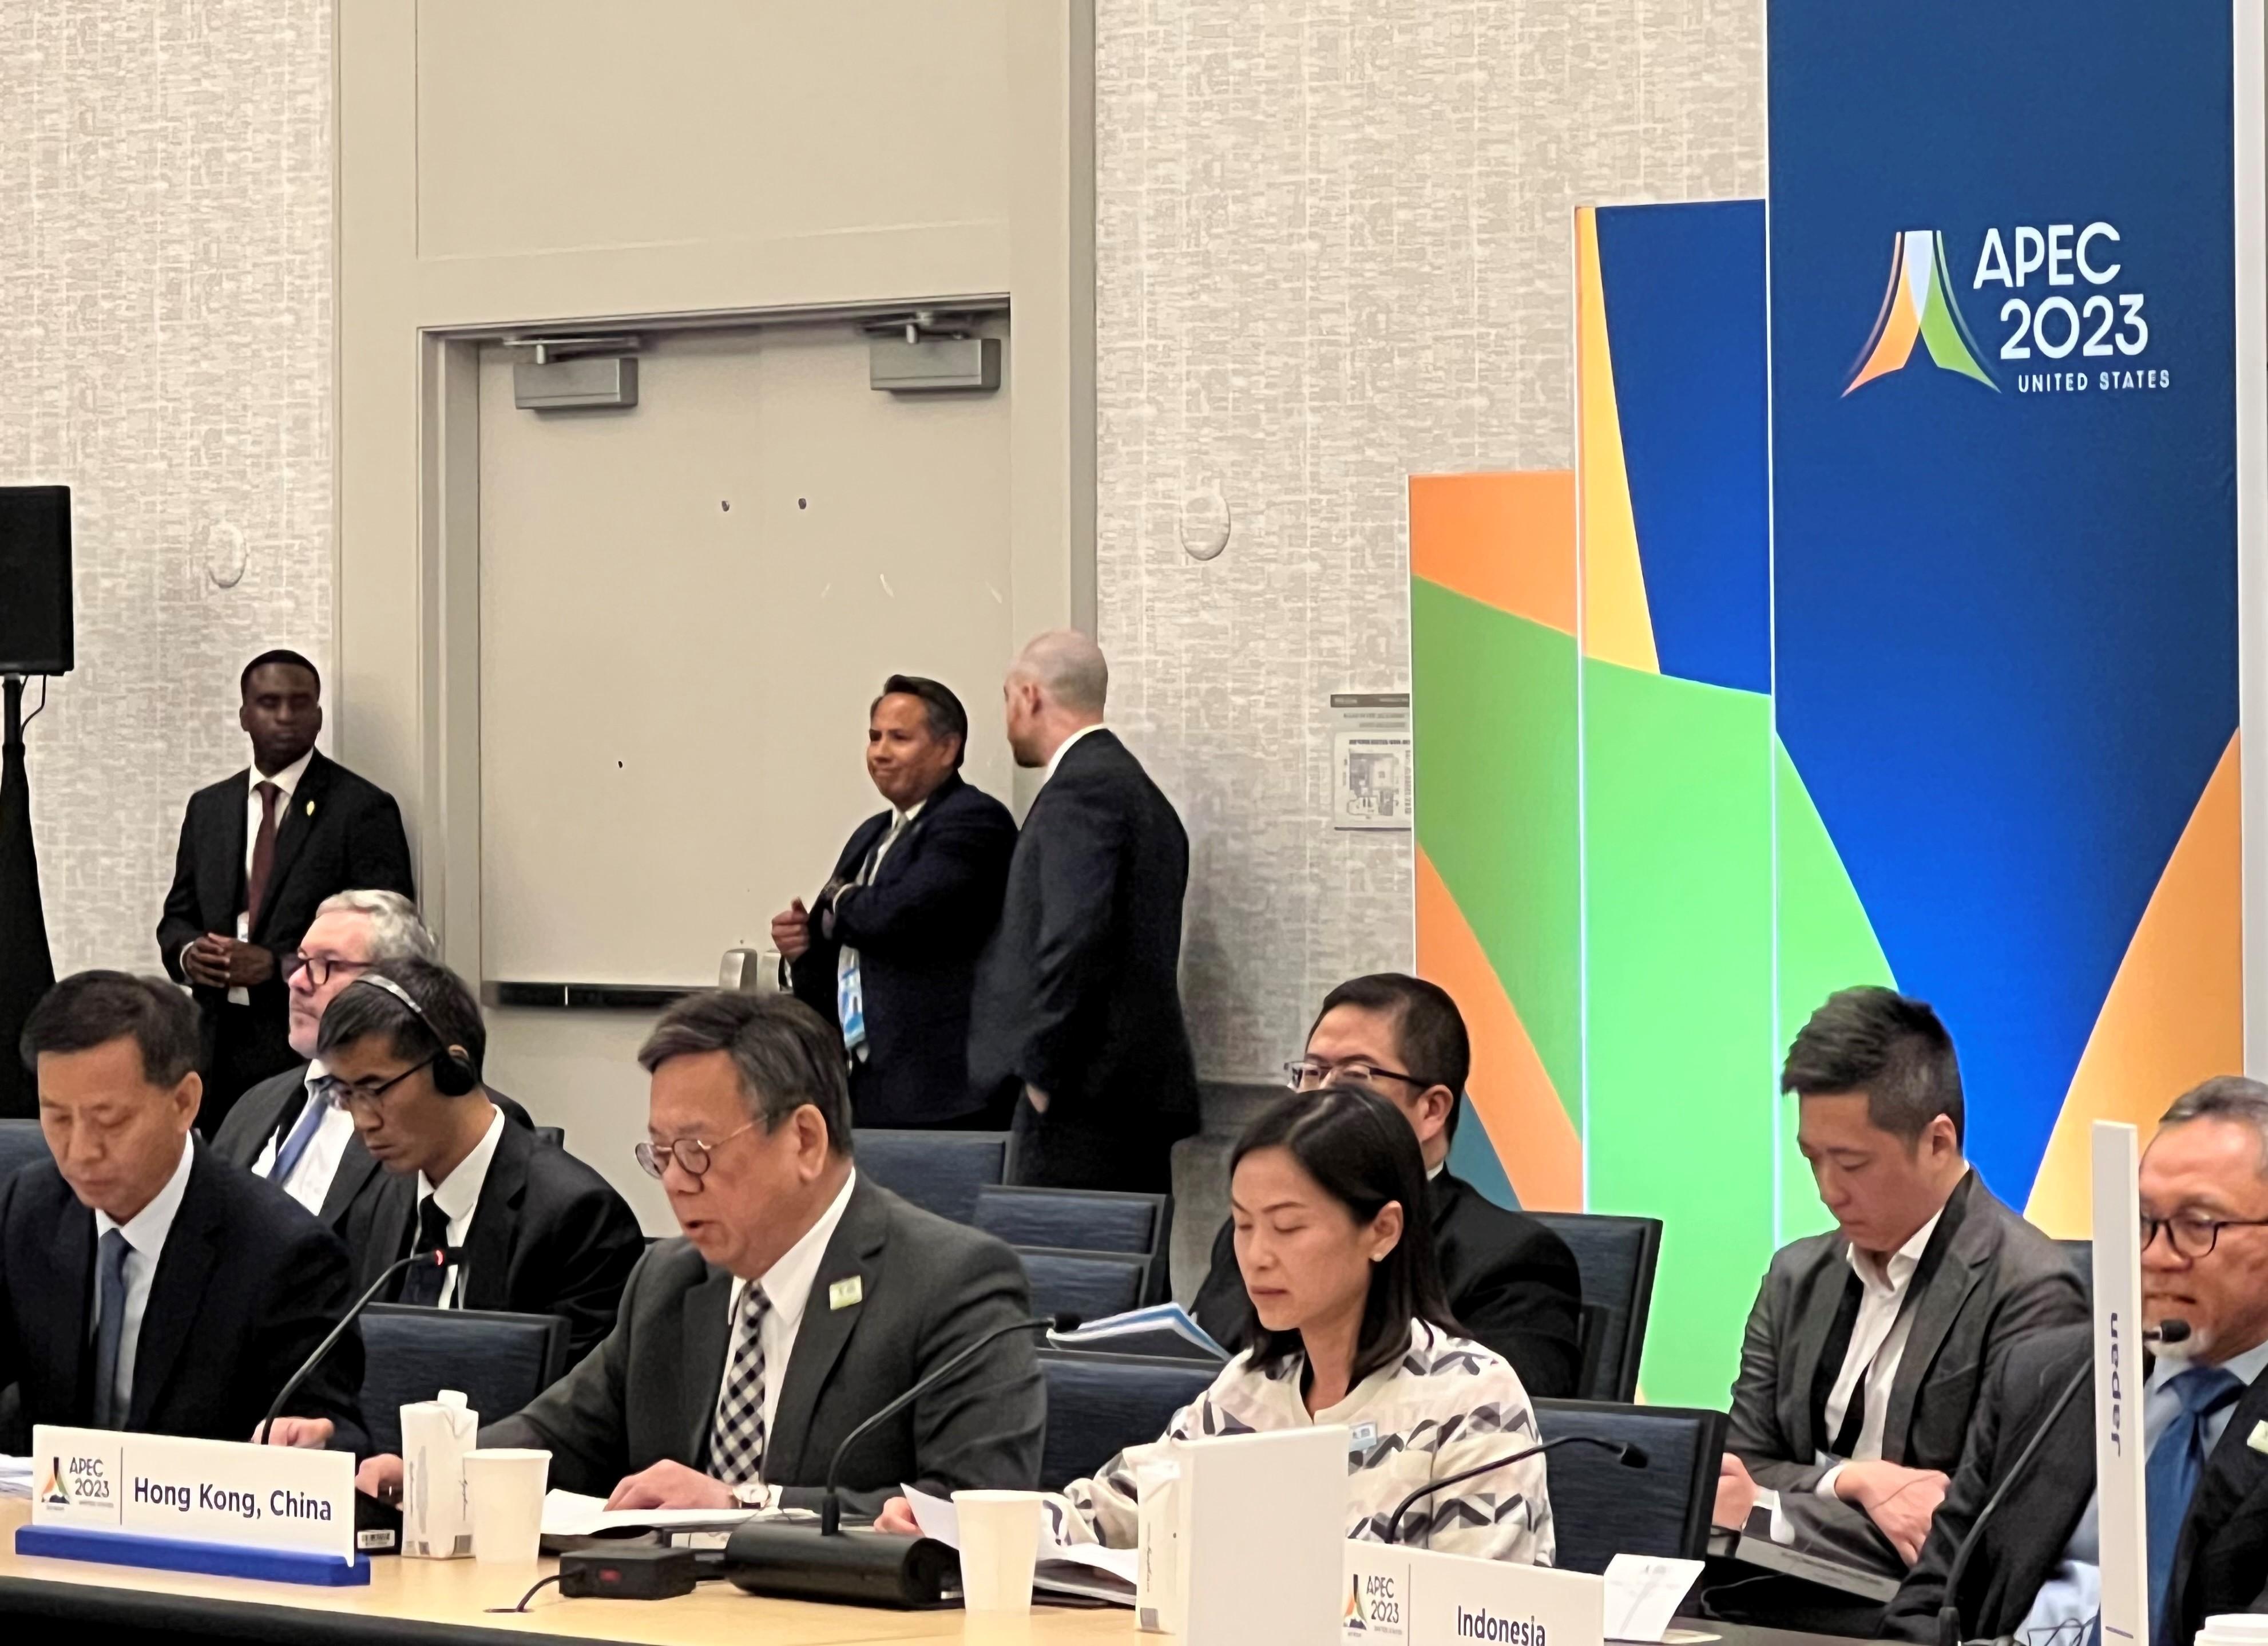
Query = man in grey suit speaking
x=800 y=1300
x=1869 y=1345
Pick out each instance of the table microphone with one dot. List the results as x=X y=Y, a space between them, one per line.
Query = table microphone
x=1632 y=1458
x=1948 y=1612
x=437 y=1257
x=868 y=1567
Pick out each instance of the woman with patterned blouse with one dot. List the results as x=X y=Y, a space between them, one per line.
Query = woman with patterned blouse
x=1351 y=1328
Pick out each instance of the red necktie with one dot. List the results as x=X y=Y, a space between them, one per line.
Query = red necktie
x=263 y=855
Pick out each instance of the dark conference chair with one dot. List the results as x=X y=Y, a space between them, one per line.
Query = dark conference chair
x=938 y=1171
x=554 y=1135
x=1088 y=1284
x=21 y=1142
x=1099 y=1404
x=1082 y=1219
x=1601 y=1507
x=1616 y=1258
x=2081 y=1253
x=500 y=1360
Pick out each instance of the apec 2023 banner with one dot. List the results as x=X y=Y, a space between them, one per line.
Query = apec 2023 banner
x=1893 y=640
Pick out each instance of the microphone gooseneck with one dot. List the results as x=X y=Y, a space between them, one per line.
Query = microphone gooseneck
x=1632 y=1458
x=830 y=1505
x=438 y=1257
x=1948 y=1610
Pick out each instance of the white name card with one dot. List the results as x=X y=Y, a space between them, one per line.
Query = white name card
x=2122 y=1516
x=193 y=1491
x=1420 y=1598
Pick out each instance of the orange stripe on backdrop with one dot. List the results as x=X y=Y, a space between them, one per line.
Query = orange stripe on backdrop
x=1506 y=541
x=2174 y=1015
x=1525 y=1118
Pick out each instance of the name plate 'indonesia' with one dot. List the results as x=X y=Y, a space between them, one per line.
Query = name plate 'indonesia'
x=213 y=1506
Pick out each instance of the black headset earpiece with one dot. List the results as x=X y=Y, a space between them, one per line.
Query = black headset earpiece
x=453 y=1070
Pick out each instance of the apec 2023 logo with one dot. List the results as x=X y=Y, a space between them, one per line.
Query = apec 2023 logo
x=2093 y=318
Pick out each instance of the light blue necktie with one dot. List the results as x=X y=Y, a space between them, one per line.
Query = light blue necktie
x=110 y=1326
x=2170 y=1476
x=311 y=1121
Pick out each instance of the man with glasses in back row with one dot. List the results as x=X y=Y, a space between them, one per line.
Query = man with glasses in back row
x=285 y=1129
x=1512 y=1283
x=801 y=1300
x=2034 y=1576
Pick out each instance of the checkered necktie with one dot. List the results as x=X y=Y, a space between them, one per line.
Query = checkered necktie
x=736 y=1441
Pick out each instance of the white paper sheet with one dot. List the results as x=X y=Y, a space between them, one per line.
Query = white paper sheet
x=572 y=1515
x=15 y=1477
x=1642 y=1595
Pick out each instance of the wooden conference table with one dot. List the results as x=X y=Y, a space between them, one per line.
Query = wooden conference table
x=447 y=1602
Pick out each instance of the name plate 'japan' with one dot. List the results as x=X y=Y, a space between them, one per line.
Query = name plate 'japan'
x=278 y=1500
x=1405 y=1597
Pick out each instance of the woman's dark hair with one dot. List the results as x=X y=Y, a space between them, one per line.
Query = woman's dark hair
x=1361 y=1152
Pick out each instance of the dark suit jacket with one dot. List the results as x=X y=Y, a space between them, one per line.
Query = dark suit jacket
x=1077 y=993
x=1513 y=1286
x=245 y=1269
x=549 y=1237
x=272 y=1108
x=918 y=928
x=929 y=1288
x=351 y=841
x=2218 y=1565
x=2000 y=1280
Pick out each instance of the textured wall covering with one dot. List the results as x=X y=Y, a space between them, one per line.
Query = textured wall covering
x=1335 y=248
x=166 y=312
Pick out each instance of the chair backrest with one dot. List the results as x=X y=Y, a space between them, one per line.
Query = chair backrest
x=2081 y=1253
x=501 y=1361
x=1088 y=1284
x=1082 y=1219
x=21 y=1142
x=1615 y=1257
x=554 y=1135
x=1099 y=1404
x=1601 y=1507
x=938 y=1171
x=1591 y=1332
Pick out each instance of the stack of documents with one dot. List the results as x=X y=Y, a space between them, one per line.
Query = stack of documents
x=1163 y=1329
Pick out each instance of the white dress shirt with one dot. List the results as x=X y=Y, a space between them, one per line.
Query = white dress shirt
x=1878 y=1343
x=459 y=1196
x=2073 y=1595
x=287 y=780
x=787 y=1286
x=1063 y=749
x=145 y=1235
x=310 y=1182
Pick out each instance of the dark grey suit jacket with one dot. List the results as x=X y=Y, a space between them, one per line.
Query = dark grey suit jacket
x=927 y=1288
x=273 y=1106
x=2000 y=1280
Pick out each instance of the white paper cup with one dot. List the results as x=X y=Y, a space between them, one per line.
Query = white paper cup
x=2235 y=1628
x=999 y=1543
x=503 y=1487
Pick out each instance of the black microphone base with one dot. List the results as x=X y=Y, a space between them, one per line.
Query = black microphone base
x=861 y=1568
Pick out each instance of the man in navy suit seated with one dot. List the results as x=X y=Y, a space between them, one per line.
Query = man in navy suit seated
x=887 y=952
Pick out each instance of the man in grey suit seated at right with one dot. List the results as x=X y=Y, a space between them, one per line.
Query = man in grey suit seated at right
x=801 y=1300
x=1869 y=1343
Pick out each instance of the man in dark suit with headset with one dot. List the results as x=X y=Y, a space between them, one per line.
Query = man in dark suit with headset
x=542 y=1232
x=258 y=851
x=888 y=949
x=803 y=1299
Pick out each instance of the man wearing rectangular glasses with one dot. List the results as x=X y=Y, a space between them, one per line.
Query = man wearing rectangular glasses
x=2034 y=1576
x=1512 y=1283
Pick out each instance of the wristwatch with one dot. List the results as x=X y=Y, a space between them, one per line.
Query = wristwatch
x=752 y=1494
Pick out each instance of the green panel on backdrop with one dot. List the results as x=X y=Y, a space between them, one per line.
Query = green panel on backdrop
x=1678 y=877
x=1826 y=943
x=1493 y=701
